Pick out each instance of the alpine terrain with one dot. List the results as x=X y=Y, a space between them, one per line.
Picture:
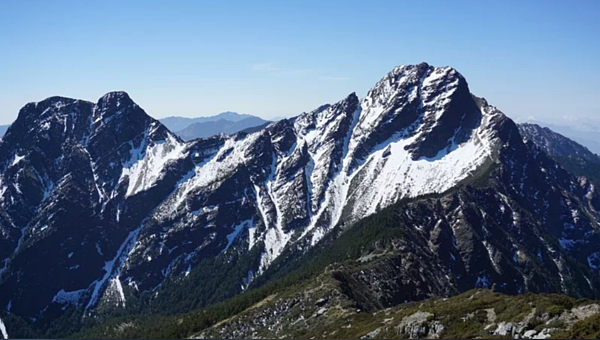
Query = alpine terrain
x=419 y=189
x=574 y=157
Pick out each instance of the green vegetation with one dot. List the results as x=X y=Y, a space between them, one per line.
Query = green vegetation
x=585 y=329
x=473 y=314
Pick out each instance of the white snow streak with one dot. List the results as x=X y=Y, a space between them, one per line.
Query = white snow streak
x=3 y=330
x=16 y=160
x=110 y=265
x=117 y=283
x=236 y=231
x=68 y=297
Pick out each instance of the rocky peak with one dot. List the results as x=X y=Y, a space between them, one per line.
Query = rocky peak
x=132 y=204
x=119 y=104
x=430 y=106
x=115 y=99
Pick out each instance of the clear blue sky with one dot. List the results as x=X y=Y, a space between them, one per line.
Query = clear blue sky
x=279 y=58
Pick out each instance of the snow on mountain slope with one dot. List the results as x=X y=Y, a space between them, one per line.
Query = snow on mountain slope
x=148 y=161
x=3 y=330
x=418 y=131
x=171 y=203
x=131 y=205
x=383 y=164
x=70 y=169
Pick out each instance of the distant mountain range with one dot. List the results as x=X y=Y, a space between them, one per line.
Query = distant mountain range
x=179 y=123
x=211 y=128
x=202 y=127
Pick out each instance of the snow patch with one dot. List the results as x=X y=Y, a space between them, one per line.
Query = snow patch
x=3 y=330
x=566 y=244
x=117 y=282
x=236 y=230
x=16 y=160
x=147 y=161
x=72 y=298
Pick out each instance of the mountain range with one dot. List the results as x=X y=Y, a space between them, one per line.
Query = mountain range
x=419 y=189
x=176 y=123
x=211 y=128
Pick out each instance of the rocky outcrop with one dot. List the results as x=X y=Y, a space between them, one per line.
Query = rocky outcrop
x=476 y=314
x=106 y=203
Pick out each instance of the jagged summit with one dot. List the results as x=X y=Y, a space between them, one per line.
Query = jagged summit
x=115 y=95
x=43 y=115
x=133 y=206
x=115 y=99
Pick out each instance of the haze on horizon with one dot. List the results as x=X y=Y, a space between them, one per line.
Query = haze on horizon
x=271 y=59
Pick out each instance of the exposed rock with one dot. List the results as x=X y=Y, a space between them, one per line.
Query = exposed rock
x=104 y=202
x=419 y=325
x=529 y=334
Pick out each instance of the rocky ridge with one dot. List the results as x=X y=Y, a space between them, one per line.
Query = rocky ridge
x=105 y=203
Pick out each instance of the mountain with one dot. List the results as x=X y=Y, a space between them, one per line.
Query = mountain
x=179 y=123
x=586 y=134
x=120 y=217
x=574 y=157
x=207 y=129
x=77 y=181
x=555 y=144
x=3 y=129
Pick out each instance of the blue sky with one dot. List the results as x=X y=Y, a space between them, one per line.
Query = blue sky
x=279 y=58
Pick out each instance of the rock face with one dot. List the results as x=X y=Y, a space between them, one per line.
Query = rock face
x=574 y=157
x=555 y=144
x=69 y=169
x=99 y=199
x=417 y=326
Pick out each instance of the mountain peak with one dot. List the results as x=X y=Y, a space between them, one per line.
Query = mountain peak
x=44 y=106
x=131 y=205
x=39 y=117
x=352 y=96
x=115 y=99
